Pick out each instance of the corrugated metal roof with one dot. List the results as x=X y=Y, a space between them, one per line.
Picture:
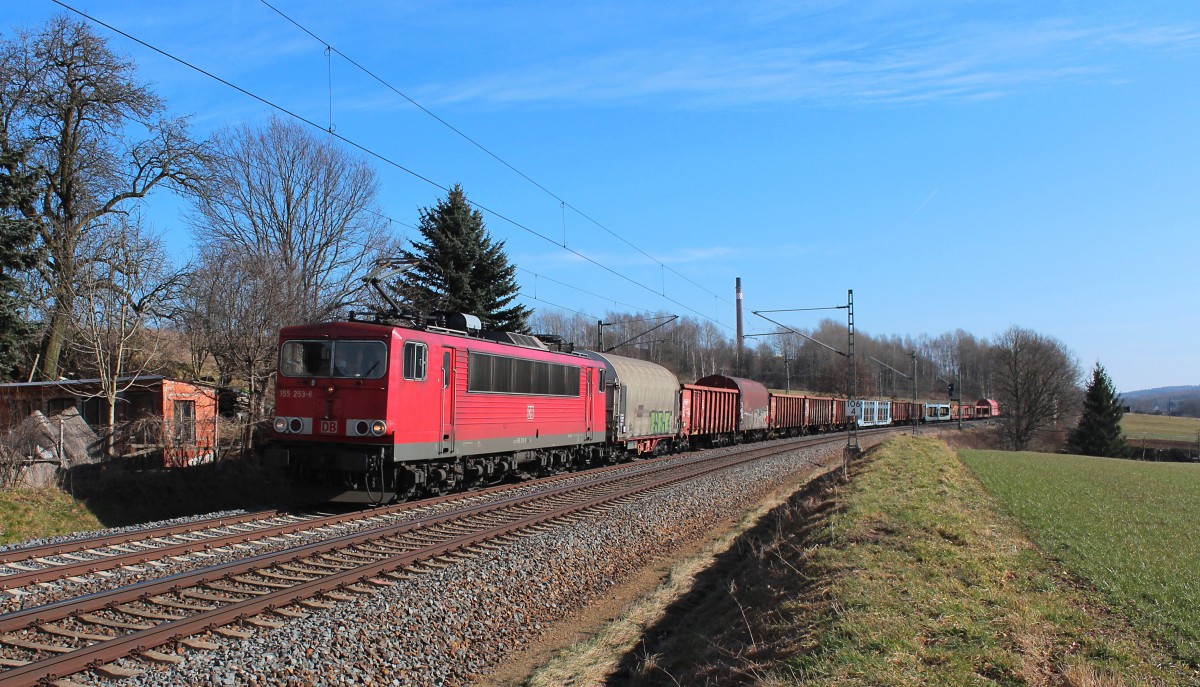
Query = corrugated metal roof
x=142 y=379
x=96 y=380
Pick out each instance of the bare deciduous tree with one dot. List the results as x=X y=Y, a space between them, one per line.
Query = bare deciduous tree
x=118 y=292
x=1037 y=383
x=288 y=228
x=13 y=461
x=71 y=106
x=295 y=202
x=575 y=328
x=233 y=305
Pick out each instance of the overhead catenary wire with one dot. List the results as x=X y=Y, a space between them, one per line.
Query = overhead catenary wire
x=583 y=291
x=487 y=151
x=556 y=305
x=536 y=275
x=797 y=332
x=370 y=211
x=378 y=156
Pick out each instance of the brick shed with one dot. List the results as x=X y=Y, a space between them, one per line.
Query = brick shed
x=153 y=413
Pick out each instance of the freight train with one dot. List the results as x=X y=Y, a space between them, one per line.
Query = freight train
x=384 y=411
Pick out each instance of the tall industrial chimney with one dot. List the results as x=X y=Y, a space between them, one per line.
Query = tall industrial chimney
x=741 y=340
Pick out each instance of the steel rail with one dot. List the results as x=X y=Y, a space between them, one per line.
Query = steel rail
x=67 y=607
x=157 y=551
x=83 y=658
x=23 y=578
x=106 y=562
x=56 y=571
x=19 y=555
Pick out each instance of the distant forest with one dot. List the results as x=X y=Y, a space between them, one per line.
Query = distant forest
x=884 y=364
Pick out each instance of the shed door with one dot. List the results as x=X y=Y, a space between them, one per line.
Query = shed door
x=447 y=414
x=185 y=423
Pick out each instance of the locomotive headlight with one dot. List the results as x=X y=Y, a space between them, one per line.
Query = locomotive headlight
x=361 y=428
x=281 y=425
x=378 y=427
x=295 y=424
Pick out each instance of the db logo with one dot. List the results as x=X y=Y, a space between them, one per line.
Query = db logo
x=328 y=426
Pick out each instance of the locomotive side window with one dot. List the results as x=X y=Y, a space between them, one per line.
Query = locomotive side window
x=502 y=376
x=305 y=358
x=522 y=376
x=556 y=379
x=497 y=374
x=560 y=378
x=414 y=360
x=479 y=372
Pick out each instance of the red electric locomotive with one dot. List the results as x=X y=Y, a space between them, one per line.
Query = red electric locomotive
x=387 y=412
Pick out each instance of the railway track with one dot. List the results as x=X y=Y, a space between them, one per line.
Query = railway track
x=94 y=632
x=22 y=567
x=52 y=562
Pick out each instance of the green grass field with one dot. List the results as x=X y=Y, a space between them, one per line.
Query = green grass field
x=1127 y=528
x=1138 y=426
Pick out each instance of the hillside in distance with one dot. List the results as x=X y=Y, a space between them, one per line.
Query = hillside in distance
x=1169 y=400
x=1179 y=391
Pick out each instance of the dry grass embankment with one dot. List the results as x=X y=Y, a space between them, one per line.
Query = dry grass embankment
x=32 y=513
x=113 y=496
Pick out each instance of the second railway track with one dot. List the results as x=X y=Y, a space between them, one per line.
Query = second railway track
x=36 y=565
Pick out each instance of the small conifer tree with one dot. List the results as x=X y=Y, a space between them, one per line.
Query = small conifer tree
x=459 y=268
x=1099 y=430
x=18 y=235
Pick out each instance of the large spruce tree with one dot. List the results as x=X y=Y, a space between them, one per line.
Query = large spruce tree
x=1099 y=430
x=459 y=268
x=18 y=234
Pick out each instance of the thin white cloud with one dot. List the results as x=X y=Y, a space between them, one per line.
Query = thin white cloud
x=955 y=61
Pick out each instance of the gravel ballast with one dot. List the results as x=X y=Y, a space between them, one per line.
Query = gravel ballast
x=450 y=625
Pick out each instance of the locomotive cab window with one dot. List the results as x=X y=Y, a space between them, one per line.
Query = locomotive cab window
x=346 y=359
x=414 y=360
x=305 y=358
x=359 y=359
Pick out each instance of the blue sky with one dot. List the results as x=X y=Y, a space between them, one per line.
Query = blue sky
x=958 y=165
